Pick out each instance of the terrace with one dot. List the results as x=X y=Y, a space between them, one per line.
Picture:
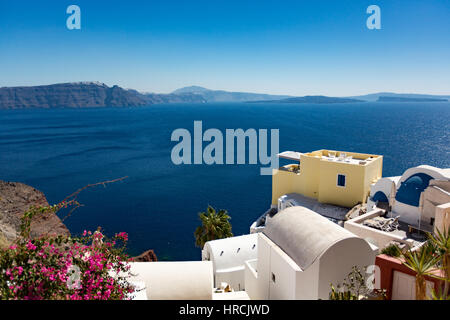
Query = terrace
x=353 y=158
x=381 y=231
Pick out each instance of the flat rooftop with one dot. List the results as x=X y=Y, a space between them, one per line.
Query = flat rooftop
x=352 y=158
x=336 y=213
x=333 y=213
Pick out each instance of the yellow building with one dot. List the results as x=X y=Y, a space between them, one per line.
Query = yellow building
x=332 y=177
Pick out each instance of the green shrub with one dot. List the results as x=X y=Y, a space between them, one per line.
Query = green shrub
x=392 y=250
x=352 y=288
x=90 y=267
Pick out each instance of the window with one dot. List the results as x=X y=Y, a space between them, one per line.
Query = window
x=273 y=278
x=341 y=180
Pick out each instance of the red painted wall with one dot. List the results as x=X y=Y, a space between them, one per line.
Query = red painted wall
x=387 y=267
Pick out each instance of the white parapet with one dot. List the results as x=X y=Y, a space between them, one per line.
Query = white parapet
x=228 y=257
x=442 y=218
x=175 y=280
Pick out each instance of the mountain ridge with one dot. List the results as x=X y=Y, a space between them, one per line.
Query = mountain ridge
x=375 y=96
x=84 y=95
x=313 y=99
x=228 y=96
x=97 y=94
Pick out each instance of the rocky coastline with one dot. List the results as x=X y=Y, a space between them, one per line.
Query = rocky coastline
x=16 y=198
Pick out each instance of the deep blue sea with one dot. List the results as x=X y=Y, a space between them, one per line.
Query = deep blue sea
x=58 y=151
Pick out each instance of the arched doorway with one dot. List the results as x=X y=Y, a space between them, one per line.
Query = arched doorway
x=410 y=189
x=380 y=196
x=381 y=200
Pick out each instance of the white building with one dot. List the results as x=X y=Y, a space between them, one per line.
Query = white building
x=190 y=280
x=300 y=253
x=228 y=257
x=414 y=196
x=184 y=280
x=419 y=200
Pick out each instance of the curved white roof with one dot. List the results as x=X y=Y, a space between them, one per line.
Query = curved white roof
x=231 y=253
x=385 y=185
x=446 y=172
x=436 y=173
x=393 y=179
x=303 y=234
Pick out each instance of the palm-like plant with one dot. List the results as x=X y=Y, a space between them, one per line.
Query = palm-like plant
x=423 y=263
x=215 y=225
x=441 y=240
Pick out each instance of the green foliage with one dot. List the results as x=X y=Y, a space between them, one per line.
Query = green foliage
x=337 y=294
x=215 y=225
x=423 y=260
x=439 y=295
x=89 y=267
x=392 y=250
x=352 y=288
x=441 y=242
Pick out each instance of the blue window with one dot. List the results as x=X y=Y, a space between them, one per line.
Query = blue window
x=341 y=180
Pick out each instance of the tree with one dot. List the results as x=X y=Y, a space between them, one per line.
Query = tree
x=423 y=262
x=215 y=225
x=441 y=240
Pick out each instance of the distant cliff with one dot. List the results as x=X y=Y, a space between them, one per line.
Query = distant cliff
x=227 y=96
x=401 y=99
x=15 y=199
x=313 y=99
x=82 y=95
x=95 y=94
x=156 y=98
x=375 y=97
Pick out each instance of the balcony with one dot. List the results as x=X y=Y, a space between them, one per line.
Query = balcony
x=294 y=168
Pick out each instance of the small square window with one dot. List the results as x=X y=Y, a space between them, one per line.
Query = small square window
x=341 y=180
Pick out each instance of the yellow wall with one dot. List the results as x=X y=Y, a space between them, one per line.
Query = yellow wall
x=281 y=184
x=330 y=192
x=374 y=172
x=318 y=179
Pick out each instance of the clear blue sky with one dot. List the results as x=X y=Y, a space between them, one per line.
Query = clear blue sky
x=286 y=47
